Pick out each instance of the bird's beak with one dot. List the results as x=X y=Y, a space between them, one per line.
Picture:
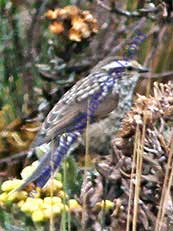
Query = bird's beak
x=143 y=70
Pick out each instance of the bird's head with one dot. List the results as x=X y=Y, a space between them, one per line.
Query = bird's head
x=118 y=66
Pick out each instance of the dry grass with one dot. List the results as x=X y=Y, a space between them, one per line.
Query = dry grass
x=166 y=189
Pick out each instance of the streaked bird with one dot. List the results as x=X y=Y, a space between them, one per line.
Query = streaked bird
x=93 y=97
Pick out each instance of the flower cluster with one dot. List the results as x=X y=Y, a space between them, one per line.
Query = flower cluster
x=73 y=22
x=41 y=205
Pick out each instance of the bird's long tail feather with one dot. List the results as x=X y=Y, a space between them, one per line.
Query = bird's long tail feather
x=51 y=160
x=65 y=142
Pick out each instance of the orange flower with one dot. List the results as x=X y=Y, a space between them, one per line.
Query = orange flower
x=94 y=26
x=83 y=23
x=88 y=17
x=85 y=31
x=77 y=23
x=56 y=27
x=52 y=14
x=75 y=35
x=72 y=10
x=63 y=14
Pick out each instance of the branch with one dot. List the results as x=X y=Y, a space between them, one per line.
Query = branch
x=138 y=26
x=19 y=155
x=140 y=12
x=167 y=74
x=33 y=27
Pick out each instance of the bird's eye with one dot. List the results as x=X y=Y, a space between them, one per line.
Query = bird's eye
x=130 y=68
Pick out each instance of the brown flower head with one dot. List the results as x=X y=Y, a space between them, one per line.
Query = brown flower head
x=75 y=23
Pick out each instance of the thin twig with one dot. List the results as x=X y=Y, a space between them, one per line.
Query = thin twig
x=131 y=180
x=161 y=211
x=135 y=14
x=32 y=28
x=86 y=165
x=167 y=74
x=17 y=156
x=129 y=38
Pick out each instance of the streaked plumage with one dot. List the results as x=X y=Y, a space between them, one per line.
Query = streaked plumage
x=104 y=81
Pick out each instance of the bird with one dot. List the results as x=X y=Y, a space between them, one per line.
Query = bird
x=62 y=126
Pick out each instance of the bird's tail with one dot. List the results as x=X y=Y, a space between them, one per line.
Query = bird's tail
x=65 y=142
x=51 y=161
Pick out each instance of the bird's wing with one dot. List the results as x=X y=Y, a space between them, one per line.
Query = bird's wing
x=85 y=88
x=54 y=126
x=71 y=106
x=58 y=121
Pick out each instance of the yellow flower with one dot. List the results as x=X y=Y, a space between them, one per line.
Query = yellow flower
x=105 y=204
x=38 y=216
x=26 y=208
x=20 y=203
x=74 y=205
x=3 y=197
x=62 y=194
x=52 y=200
x=17 y=196
x=53 y=185
x=55 y=210
x=32 y=204
x=10 y=185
